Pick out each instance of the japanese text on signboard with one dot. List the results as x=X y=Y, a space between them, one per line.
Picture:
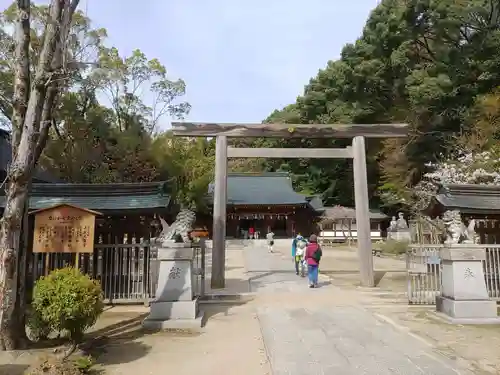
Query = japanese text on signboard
x=65 y=229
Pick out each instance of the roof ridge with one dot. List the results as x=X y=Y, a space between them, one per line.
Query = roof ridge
x=88 y=190
x=469 y=189
x=101 y=185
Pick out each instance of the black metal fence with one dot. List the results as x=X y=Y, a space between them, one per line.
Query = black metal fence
x=127 y=272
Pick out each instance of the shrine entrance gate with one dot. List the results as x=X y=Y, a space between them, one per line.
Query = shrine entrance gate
x=357 y=152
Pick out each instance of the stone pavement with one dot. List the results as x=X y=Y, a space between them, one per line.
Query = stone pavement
x=324 y=331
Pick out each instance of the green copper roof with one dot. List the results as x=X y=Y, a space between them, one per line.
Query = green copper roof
x=316 y=203
x=469 y=198
x=262 y=189
x=100 y=197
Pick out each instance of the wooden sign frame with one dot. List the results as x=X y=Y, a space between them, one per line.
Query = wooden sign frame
x=64 y=228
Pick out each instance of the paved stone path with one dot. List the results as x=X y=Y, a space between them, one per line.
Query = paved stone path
x=313 y=331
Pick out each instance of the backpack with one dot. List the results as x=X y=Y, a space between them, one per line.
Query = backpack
x=317 y=254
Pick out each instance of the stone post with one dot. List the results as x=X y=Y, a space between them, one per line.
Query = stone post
x=175 y=306
x=362 y=212
x=464 y=298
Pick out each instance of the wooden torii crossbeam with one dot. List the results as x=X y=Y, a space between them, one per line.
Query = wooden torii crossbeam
x=357 y=152
x=201 y=129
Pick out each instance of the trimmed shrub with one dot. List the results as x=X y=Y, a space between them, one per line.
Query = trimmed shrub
x=83 y=364
x=69 y=301
x=38 y=328
x=394 y=247
x=57 y=366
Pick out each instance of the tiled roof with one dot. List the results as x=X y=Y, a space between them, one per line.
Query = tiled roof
x=316 y=203
x=469 y=198
x=261 y=189
x=99 y=197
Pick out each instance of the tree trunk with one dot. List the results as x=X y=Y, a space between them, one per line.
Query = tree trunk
x=22 y=265
x=17 y=336
x=10 y=229
x=26 y=136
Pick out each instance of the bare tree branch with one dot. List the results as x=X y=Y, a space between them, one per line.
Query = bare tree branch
x=58 y=67
x=38 y=93
x=45 y=124
x=21 y=72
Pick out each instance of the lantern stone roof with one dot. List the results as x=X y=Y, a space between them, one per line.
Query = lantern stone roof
x=467 y=198
x=99 y=197
x=340 y=212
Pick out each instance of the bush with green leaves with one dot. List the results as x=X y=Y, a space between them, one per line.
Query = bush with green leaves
x=68 y=300
x=38 y=328
x=394 y=247
x=51 y=365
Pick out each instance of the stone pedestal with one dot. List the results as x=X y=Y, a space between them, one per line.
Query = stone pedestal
x=174 y=306
x=464 y=298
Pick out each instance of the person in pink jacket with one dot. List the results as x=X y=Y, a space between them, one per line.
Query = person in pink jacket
x=313 y=257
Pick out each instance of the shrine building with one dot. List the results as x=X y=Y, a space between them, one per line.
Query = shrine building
x=264 y=201
x=478 y=202
x=129 y=216
x=267 y=201
x=128 y=219
x=128 y=209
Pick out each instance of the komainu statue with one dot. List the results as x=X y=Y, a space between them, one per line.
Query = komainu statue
x=456 y=230
x=179 y=230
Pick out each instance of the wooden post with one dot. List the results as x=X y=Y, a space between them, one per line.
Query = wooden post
x=349 y=230
x=203 y=249
x=47 y=263
x=219 y=217
x=362 y=212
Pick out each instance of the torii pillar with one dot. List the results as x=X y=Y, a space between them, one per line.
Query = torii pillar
x=357 y=132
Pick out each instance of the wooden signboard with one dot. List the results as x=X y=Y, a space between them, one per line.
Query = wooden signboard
x=64 y=229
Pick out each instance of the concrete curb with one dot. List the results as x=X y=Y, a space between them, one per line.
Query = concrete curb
x=236 y=298
x=227 y=298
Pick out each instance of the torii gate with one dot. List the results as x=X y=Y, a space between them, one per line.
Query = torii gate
x=357 y=152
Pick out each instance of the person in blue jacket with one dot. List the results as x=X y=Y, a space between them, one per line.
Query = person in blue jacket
x=294 y=246
x=296 y=259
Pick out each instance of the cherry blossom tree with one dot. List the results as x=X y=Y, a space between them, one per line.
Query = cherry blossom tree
x=473 y=168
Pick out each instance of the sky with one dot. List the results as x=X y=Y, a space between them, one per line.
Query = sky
x=240 y=59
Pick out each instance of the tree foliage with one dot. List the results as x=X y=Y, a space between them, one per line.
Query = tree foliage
x=80 y=109
x=188 y=164
x=123 y=80
x=431 y=63
x=104 y=126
